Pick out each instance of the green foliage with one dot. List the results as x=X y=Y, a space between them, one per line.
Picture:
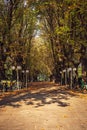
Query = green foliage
x=62 y=25
x=41 y=62
x=65 y=25
x=62 y=30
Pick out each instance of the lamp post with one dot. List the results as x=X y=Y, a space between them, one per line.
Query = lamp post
x=74 y=69
x=23 y=79
x=74 y=77
x=64 y=71
x=17 y=71
x=61 y=77
x=18 y=68
x=70 y=70
x=27 y=71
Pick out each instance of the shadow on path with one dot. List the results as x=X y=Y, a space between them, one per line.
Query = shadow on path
x=40 y=95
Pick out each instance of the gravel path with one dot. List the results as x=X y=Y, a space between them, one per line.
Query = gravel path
x=48 y=107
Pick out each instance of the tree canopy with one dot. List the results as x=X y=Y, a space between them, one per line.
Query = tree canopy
x=43 y=36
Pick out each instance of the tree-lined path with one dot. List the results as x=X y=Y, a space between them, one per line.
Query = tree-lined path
x=43 y=40
x=44 y=106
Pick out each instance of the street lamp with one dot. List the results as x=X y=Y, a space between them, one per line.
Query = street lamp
x=23 y=78
x=27 y=71
x=65 y=71
x=17 y=70
x=61 y=76
x=71 y=76
x=74 y=69
x=26 y=76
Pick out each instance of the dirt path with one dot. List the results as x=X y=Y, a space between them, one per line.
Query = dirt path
x=44 y=106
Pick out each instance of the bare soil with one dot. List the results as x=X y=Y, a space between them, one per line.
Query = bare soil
x=43 y=106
